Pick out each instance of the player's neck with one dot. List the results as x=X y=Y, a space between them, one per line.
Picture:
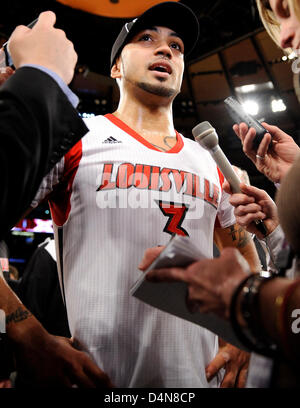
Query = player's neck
x=148 y=120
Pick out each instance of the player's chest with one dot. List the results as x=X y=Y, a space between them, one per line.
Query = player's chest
x=117 y=167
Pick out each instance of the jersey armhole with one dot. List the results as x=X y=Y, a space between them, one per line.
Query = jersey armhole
x=60 y=205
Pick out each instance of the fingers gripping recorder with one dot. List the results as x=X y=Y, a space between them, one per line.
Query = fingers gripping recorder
x=207 y=137
x=5 y=59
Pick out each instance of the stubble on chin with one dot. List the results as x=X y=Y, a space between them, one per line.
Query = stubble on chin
x=158 y=90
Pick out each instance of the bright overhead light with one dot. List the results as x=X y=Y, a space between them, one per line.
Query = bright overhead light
x=278 y=105
x=284 y=58
x=264 y=86
x=86 y=115
x=251 y=107
x=247 y=88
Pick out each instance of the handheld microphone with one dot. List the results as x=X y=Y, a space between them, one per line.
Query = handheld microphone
x=207 y=137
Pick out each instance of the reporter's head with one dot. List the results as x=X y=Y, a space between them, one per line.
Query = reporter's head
x=288 y=203
x=282 y=21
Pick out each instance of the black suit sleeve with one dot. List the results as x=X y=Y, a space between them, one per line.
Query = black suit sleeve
x=38 y=126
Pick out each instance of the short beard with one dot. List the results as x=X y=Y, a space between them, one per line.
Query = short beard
x=157 y=90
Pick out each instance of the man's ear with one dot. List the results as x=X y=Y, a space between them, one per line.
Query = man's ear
x=115 y=71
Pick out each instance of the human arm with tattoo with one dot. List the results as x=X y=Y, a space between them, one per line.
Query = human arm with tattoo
x=46 y=360
x=237 y=237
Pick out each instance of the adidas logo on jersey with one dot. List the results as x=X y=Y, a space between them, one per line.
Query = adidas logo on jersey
x=111 y=139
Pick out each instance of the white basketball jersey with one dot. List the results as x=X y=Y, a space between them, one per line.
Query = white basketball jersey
x=113 y=196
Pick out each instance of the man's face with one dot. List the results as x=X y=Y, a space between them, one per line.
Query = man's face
x=153 y=61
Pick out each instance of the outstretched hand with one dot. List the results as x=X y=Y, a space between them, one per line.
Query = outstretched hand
x=208 y=289
x=234 y=361
x=51 y=361
x=5 y=73
x=275 y=154
x=44 y=45
x=253 y=204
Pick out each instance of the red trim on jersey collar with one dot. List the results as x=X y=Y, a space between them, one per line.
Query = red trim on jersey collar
x=118 y=122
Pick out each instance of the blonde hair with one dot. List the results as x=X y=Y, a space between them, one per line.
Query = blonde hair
x=269 y=19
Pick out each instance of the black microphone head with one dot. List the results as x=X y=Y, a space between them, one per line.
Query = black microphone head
x=206 y=135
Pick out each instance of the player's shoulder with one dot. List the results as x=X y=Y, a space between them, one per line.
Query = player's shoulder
x=193 y=145
x=188 y=140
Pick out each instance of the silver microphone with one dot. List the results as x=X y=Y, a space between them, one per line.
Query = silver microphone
x=207 y=137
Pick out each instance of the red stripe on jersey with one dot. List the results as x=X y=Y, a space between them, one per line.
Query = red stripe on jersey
x=222 y=179
x=118 y=122
x=60 y=202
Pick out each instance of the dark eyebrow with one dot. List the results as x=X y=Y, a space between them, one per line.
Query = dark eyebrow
x=172 y=33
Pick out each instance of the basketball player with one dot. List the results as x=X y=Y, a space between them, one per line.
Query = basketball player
x=132 y=183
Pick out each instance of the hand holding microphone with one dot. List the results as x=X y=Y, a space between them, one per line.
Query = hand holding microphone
x=253 y=204
x=207 y=137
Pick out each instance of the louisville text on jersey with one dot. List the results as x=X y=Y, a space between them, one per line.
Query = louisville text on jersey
x=155 y=178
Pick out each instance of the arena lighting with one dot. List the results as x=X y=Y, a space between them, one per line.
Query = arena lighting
x=278 y=105
x=247 y=88
x=264 y=86
x=86 y=115
x=251 y=107
x=23 y=233
x=17 y=260
x=32 y=226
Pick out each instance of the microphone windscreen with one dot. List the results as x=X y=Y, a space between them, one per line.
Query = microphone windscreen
x=200 y=128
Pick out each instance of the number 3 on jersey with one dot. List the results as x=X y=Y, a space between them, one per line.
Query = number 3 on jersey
x=176 y=213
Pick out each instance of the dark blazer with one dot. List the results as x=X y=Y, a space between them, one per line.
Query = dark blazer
x=38 y=125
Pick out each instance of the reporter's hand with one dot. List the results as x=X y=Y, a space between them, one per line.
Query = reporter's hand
x=253 y=204
x=5 y=73
x=277 y=150
x=149 y=256
x=235 y=362
x=208 y=289
x=48 y=361
x=44 y=45
x=5 y=383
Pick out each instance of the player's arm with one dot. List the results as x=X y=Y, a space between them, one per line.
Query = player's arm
x=237 y=237
x=46 y=360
